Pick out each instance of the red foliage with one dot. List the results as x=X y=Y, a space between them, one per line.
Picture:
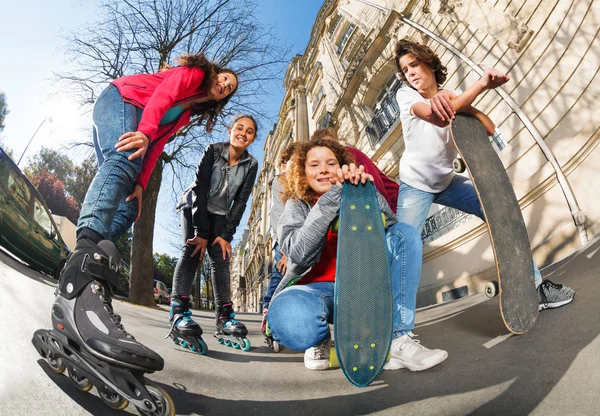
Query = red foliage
x=53 y=191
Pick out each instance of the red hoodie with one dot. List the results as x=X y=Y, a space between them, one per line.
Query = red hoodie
x=156 y=94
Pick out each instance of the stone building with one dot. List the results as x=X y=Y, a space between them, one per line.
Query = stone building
x=546 y=117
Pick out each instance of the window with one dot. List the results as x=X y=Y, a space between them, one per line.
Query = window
x=40 y=215
x=317 y=99
x=498 y=141
x=347 y=34
x=335 y=24
x=19 y=190
x=386 y=111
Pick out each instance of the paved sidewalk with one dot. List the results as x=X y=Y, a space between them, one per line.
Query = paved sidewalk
x=554 y=369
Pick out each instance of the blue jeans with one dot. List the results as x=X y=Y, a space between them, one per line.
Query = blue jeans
x=414 y=204
x=276 y=277
x=104 y=209
x=299 y=316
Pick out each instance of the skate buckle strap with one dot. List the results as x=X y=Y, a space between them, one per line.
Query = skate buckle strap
x=186 y=315
x=99 y=270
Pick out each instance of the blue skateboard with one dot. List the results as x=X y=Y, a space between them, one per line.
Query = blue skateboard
x=363 y=288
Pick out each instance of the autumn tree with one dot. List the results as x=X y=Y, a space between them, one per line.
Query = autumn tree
x=53 y=191
x=142 y=36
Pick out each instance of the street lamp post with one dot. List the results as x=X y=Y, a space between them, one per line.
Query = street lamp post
x=47 y=118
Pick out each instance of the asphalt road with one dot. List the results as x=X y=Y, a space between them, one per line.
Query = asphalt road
x=554 y=369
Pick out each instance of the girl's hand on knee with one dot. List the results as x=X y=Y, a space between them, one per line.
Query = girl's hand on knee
x=137 y=194
x=225 y=247
x=133 y=140
x=200 y=244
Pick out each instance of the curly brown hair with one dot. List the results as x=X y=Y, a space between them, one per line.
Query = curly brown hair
x=288 y=152
x=326 y=132
x=207 y=112
x=296 y=184
x=424 y=54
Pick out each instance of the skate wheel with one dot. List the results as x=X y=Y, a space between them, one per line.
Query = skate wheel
x=113 y=400
x=163 y=402
x=227 y=343
x=81 y=383
x=458 y=165
x=184 y=344
x=276 y=346
x=221 y=341
x=176 y=341
x=56 y=364
x=246 y=344
x=235 y=345
x=203 y=347
x=491 y=289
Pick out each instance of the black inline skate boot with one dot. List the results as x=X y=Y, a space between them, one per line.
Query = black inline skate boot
x=184 y=330
x=89 y=340
x=230 y=332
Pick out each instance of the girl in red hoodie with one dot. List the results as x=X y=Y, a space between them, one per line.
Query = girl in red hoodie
x=134 y=117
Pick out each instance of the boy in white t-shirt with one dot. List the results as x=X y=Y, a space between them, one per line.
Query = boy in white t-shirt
x=426 y=172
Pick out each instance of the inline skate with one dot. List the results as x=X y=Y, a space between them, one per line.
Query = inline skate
x=266 y=331
x=89 y=340
x=230 y=332
x=184 y=330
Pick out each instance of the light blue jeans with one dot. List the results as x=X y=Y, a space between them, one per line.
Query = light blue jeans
x=276 y=276
x=104 y=209
x=414 y=204
x=299 y=316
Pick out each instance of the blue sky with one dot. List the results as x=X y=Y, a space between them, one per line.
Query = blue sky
x=30 y=52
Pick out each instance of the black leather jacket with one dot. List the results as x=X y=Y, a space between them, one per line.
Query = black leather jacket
x=210 y=175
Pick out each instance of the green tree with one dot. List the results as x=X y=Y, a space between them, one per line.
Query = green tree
x=3 y=110
x=124 y=245
x=141 y=37
x=79 y=181
x=53 y=162
x=166 y=265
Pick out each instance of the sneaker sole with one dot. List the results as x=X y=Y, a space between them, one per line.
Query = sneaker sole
x=317 y=366
x=554 y=304
x=396 y=363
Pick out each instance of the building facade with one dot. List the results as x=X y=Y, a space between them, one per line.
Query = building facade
x=547 y=122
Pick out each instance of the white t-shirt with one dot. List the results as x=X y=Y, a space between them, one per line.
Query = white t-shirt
x=426 y=163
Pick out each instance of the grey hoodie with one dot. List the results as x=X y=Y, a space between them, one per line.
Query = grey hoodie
x=303 y=230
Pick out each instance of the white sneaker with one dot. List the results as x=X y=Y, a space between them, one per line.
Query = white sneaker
x=407 y=352
x=317 y=357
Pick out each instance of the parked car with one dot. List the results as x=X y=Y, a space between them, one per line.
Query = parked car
x=27 y=229
x=161 y=293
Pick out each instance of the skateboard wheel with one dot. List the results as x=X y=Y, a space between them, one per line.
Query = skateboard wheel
x=491 y=289
x=458 y=165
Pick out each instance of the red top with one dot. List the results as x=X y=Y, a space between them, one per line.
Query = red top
x=384 y=185
x=156 y=94
x=324 y=270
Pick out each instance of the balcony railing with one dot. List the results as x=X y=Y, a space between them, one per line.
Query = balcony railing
x=384 y=118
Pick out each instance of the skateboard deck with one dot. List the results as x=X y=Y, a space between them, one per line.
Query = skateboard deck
x=363 y=289
x=510 y=243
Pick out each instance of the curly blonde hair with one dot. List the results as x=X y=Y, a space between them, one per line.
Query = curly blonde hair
x=296 y=184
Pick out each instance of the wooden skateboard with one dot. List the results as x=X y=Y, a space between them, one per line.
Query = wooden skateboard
x=363 y=288
x=510 y=243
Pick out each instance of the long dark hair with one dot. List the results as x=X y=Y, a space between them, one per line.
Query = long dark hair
x=207 y=112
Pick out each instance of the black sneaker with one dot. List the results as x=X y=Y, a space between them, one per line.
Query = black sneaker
x=552 y=295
